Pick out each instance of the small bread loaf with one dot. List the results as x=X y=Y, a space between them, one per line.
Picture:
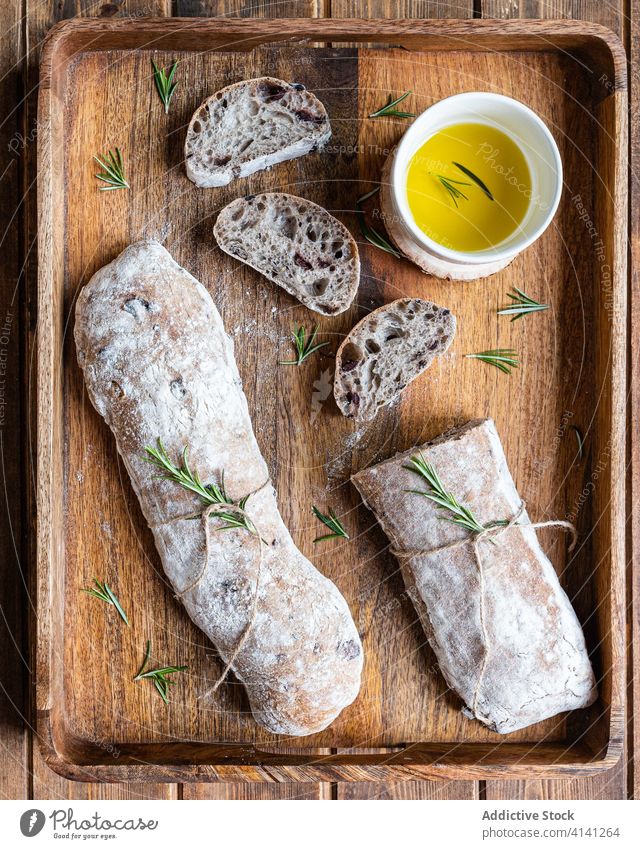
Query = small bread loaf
x=503 y=630
x=296 y=244
x=251 y=125
x=158 y=365
x=385 y=351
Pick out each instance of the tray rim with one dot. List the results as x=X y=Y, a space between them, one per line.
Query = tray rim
x=240 y=762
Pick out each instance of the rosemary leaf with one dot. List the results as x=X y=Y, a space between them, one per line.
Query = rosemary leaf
x=389 y=111
x=370 y=234
x=165 y=84
x=159 y=676
x=504 y=359
x=446 y=501
x=332 y=522
x=451 y=187
x=304 y=347
x=209 y=493
x=580 y=442
x=161 y=687
x=104 y=592
x=147 y=655
x=113 y=171
x=522 y=305
x=475 y=179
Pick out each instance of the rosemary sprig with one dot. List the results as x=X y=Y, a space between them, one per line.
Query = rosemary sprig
x=475 y=178
x=522 y=305
x=452 y=187
x=504 y=359
x=332 y=522
x=103 y=591
x=165 y=83
x=113 y=173
x=304 y=347
x=160 y=676
x=189 y=479
x=389 y=111
x=461 y=515
x=580 y=441
x=370 y=234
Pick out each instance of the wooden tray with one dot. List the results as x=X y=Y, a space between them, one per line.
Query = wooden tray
x=97 y=92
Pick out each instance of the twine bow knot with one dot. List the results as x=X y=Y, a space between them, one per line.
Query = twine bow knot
x=488 y=532
x=205 y=515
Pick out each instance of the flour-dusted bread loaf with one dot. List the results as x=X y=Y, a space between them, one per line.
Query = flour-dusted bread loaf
x=505 y=635
x=385 y=351
x=158 y=364
x=251 y=125
x=296 y=244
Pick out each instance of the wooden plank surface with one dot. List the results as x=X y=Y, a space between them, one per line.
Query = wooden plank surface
x=405 y=9
x=633 y=498
x=398 y=701
x=610 y=785
x=250 y=8
x=40 y=17
x=609 y=14
x=14 y=661
x=402 y=9
x=264 y=8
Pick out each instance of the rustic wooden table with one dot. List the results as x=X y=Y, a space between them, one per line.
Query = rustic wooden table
x=23 y=25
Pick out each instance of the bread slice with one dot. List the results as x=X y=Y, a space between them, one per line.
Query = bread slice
x=296 y=244
x=385 y=351
x=251 y=125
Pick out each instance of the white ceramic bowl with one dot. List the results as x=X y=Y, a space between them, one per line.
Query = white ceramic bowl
x=532 y=137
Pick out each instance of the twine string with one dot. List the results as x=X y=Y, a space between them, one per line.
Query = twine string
x=475 y=539
x=205 y=515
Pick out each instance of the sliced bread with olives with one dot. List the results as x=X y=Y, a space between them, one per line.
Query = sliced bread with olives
x=385 y=351
x=251 y=125
x=296 y=244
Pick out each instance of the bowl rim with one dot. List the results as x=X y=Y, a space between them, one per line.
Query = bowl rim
x=398 y=170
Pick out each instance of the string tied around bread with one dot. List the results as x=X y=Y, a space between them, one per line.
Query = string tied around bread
x=474 y=539
x=224 y=508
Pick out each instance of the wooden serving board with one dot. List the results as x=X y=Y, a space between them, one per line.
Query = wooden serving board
x=96 y=93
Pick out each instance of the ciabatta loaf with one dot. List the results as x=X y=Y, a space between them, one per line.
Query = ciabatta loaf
x=251 y=125
x=158 y=364
x=385 y=351
x=503 y=630
x=296 y=244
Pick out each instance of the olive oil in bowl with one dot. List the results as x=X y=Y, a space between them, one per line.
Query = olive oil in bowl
x=468 y=187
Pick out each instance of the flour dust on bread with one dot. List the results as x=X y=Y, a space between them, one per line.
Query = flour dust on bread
x=506 y=637
x=252 y=125
x=158 y=364
x=296 y=244
x=385 y=351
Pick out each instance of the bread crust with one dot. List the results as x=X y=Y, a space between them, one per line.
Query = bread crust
x=427 y=329
x=158 y=364
x=271 y=233
x=529 y=661
x=239 y=153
